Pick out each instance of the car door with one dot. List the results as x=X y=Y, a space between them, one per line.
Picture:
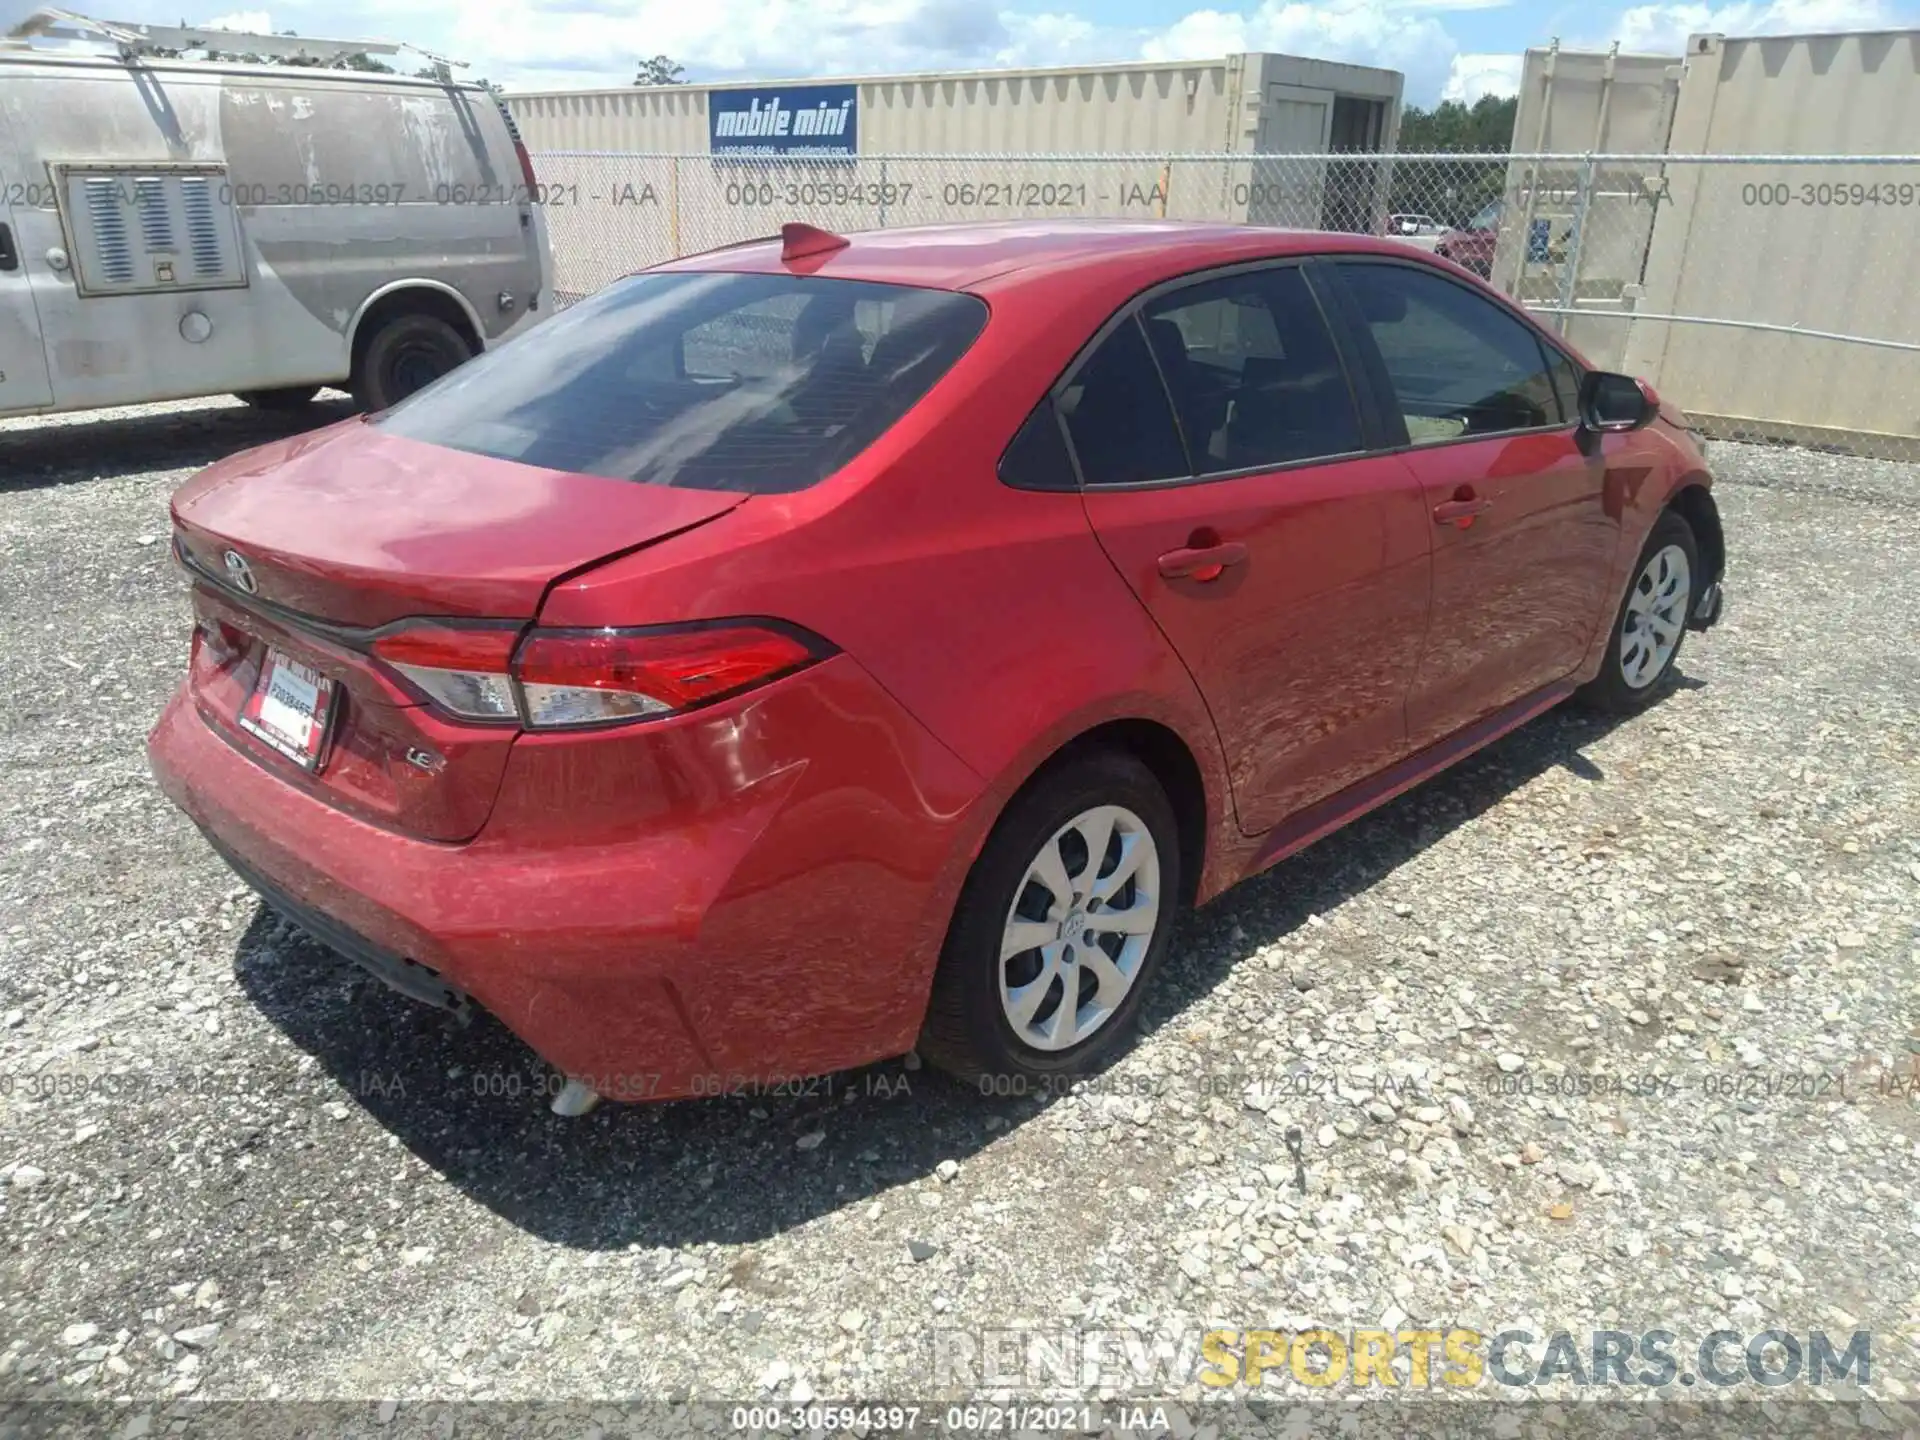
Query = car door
x=1224 y=466
x=23 y=356
x=1523 y=542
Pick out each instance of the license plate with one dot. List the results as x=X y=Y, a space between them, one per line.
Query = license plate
x=290 y=708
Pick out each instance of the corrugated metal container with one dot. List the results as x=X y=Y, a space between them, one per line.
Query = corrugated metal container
x=1578 y=102
x=639 y=174
x=1822 y=247
x=1243 y=103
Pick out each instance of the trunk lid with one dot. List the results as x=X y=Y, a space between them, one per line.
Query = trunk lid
x=357 y=527
x=345 y=530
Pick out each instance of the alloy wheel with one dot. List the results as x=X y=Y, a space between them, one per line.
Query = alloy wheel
x=1079 y=928
x=1656 y=614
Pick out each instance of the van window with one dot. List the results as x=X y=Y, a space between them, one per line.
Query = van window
x=759 y=383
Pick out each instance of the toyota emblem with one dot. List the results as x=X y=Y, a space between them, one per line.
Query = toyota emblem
x=239 y=572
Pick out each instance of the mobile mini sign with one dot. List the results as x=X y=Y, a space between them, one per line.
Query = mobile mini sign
x=793 y=120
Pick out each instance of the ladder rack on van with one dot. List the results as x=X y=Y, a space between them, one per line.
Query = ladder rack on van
x=134 y=40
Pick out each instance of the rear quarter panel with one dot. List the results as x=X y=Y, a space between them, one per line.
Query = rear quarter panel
x=991 y=614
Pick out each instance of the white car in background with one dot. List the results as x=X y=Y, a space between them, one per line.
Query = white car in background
x=1422 y=231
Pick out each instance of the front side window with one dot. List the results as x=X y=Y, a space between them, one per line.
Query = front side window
x=1457 y=364
x=1566 y=382
x=1254 y=375
x=710 y=381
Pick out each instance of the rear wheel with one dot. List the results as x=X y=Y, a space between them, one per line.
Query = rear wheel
x=1652 y=621
x=407 y=353
x=1060 y=927
x=286 y=397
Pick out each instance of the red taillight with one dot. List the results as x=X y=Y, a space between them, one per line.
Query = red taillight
x=586 y=677
x=519 y=152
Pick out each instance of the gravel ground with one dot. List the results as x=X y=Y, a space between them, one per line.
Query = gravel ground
x=1610 y=1027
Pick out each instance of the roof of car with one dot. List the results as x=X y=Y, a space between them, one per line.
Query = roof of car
x=998 y=254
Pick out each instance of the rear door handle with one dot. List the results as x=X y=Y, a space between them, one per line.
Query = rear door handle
x=1205 y=563
x=1460 y=511
x=9 y=257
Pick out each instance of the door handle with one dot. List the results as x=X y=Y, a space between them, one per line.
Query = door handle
x=9 y=257
x=1460 y=510
x=1204 y=563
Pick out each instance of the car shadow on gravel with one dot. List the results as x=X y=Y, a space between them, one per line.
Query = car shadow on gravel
x=471 y=1100
x=69 y=449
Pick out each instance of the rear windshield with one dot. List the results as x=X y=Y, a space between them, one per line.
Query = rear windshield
x=758 y=383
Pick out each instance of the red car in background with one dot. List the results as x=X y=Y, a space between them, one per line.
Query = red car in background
x=1471 y=245
x=821 y=647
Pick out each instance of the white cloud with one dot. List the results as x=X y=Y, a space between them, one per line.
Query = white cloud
x=1359 y=32
x=257 y=22
x=555 y=44
x=585 y=42
x=1475 y=75
x=1663 y=29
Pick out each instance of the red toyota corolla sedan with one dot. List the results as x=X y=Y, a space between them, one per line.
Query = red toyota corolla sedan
x=828 y=646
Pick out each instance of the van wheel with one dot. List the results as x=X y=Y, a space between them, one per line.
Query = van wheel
x=287 y=397
x=407 y=353
x=1060 y=927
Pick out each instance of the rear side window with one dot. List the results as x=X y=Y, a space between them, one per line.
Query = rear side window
x=1037 y=458
x=1118 y=417
x=1458 y=365
x=1253 y=372
x=758 y=383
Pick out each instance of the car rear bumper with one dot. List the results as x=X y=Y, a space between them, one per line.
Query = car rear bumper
x=727 y=898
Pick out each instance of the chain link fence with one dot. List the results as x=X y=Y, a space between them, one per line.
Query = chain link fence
x=1771 y=296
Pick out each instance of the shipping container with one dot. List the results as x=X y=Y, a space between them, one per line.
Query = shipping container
x=640 y=174
x=1769 y=262
x=1275 y=104
x=1571 y=218
x=1820 y=247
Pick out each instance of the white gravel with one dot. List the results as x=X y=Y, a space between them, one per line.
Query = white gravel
x=1614 y=1026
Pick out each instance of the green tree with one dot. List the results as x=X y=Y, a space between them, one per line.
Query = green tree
x=1453 y=192
x=1485 y=127
x=659 y=71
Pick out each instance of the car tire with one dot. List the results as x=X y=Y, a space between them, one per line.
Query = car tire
x=407 y=353
x=986 y=1022
x=285 y=397
x=1651 y=623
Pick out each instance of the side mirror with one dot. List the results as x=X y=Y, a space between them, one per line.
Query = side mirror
x=1610 y=402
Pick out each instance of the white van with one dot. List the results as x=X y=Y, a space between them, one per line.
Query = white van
x=171 y=228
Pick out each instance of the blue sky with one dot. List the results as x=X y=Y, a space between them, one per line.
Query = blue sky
x=1455 y=49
